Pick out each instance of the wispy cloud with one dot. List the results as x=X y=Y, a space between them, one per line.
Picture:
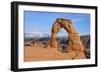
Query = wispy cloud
x=77 y=20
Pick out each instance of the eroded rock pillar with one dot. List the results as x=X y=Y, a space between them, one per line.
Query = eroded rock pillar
x=54 y=40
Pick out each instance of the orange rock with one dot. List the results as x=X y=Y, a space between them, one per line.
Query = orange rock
x=73 y=36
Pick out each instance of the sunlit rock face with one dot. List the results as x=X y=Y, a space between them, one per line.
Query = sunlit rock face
x=74 y=44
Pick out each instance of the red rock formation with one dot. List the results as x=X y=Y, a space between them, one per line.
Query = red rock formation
x=74 y=38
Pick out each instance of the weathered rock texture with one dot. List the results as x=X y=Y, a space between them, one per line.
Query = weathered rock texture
x=73 y=36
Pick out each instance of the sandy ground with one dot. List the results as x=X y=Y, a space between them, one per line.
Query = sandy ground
x=38 y=52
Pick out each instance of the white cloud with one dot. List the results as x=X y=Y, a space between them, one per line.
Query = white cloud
x=32 y=32
x=77 y=20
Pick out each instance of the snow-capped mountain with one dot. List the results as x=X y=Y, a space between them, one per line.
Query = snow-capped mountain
x=36 y=34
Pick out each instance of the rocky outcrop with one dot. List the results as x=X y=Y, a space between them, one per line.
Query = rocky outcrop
x=74 y=43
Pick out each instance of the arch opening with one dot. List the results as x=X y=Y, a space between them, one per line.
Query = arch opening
x=62 y=36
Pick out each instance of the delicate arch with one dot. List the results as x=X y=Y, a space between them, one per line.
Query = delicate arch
x=74 y=38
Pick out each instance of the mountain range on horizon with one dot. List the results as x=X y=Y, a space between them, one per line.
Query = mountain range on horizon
x=36 y=35
x=41 y=35
x=31 y=33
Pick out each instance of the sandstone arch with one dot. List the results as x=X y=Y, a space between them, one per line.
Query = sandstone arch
x=73 y=36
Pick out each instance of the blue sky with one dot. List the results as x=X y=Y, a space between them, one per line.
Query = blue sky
x=41 y=22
